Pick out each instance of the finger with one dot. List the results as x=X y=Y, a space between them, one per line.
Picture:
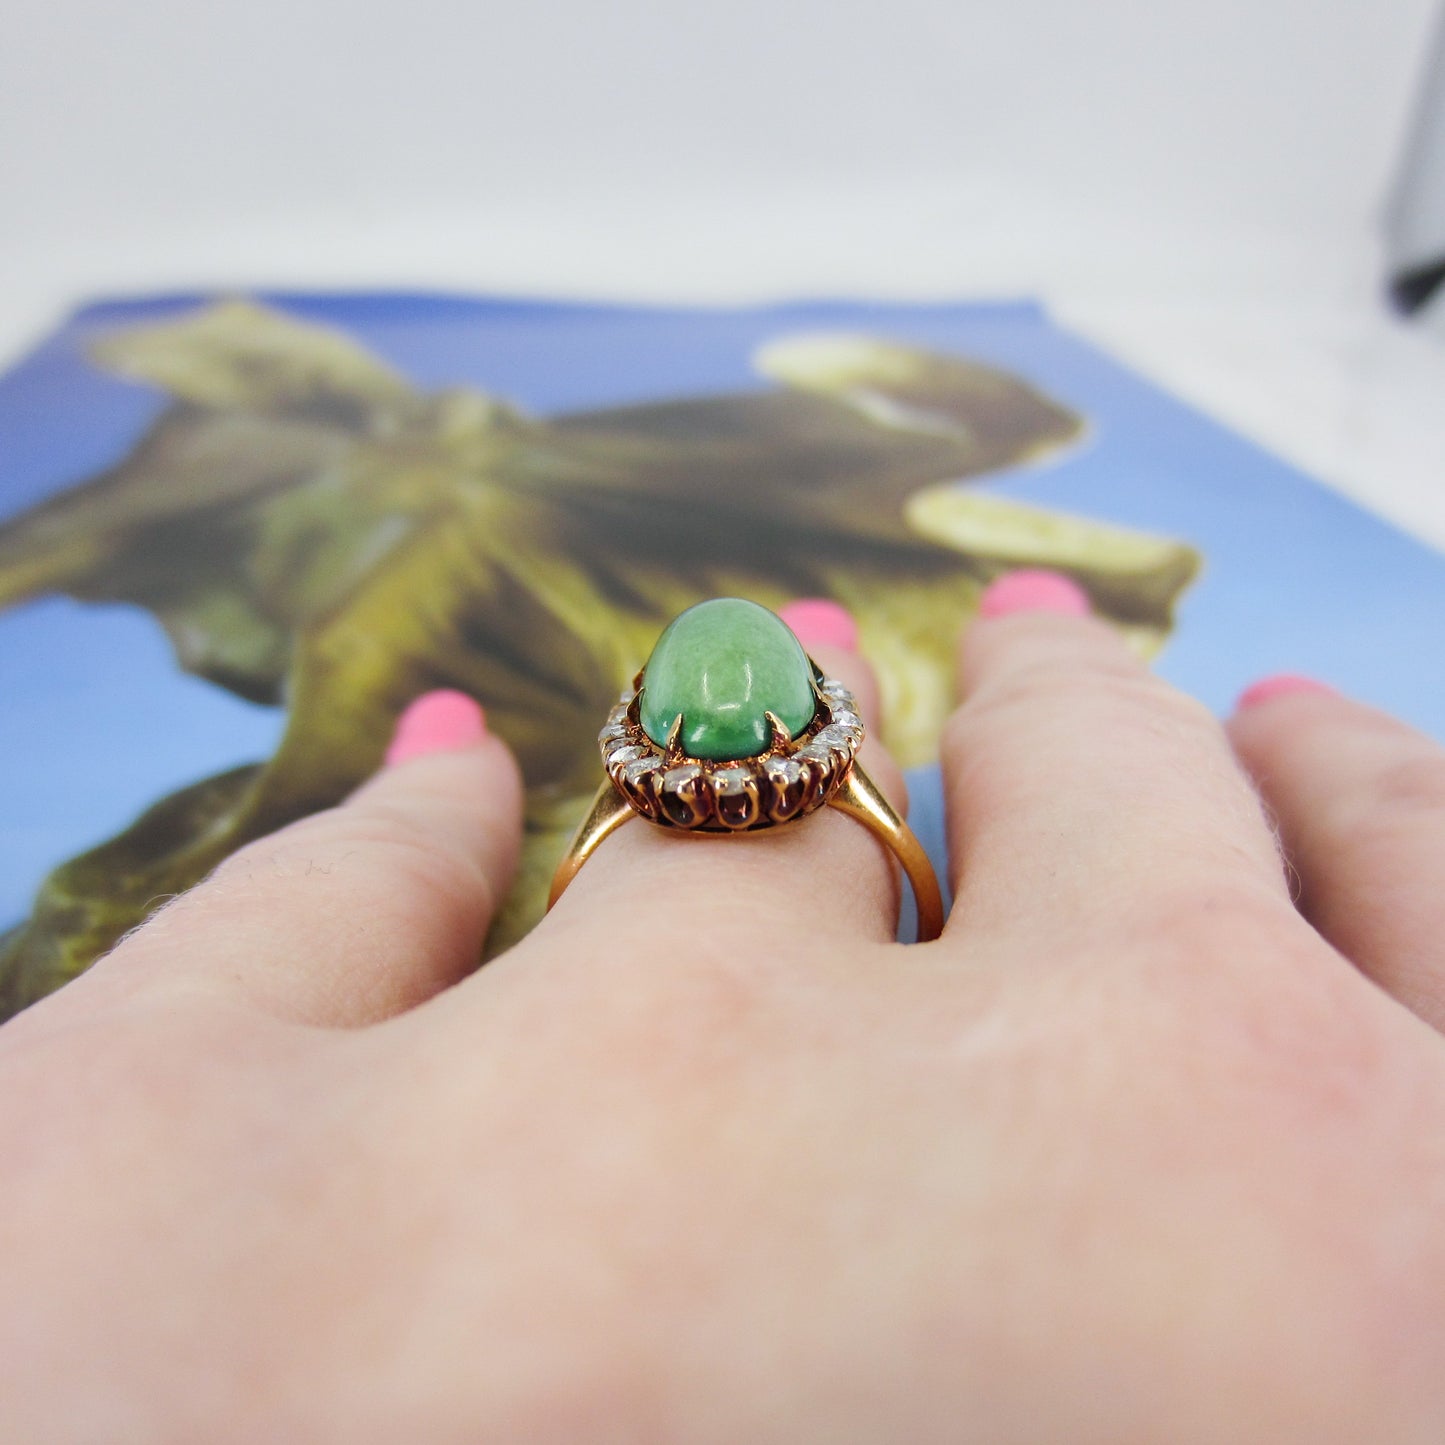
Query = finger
x=1081 y=790
x=823 y=876
x=359 y=912
x=1359 y=800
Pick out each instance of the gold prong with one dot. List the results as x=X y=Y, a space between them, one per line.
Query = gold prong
x=672 y=748
x=781 y=735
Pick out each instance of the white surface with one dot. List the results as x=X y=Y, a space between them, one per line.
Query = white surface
x=1351 y=395
x=161 y=113
x=1196 y=186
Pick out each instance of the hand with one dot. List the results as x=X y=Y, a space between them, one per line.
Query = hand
x=1138 y=1151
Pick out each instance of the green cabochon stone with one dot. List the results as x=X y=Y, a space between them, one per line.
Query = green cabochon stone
x=724 y=664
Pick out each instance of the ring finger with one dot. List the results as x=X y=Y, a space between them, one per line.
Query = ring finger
x=821 y=876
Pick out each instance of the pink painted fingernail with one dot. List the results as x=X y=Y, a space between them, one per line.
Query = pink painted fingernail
x=1033 y=590
x=1277 y=686
x=443 y=721
x=817 y=622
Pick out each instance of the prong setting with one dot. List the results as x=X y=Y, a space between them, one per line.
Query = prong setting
x=789 y=779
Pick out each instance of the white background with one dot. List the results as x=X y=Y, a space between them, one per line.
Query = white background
x=1199 y=186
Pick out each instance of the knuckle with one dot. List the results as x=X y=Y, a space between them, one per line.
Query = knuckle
x=1079 y=689
x=1411 y=786
x=138 y=1056
x=372 y=849
x=1218 y=920
x=424 y=870
x=1114 y=699
x=1243 y=965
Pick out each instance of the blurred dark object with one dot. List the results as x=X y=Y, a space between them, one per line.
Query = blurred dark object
x=1415 y=225
x=1412 y=289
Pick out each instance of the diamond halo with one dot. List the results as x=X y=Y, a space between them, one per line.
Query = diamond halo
x=790 y=778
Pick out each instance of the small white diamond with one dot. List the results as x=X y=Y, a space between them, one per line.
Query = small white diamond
x=836 y=737
x=638 y=770
x=784 y=772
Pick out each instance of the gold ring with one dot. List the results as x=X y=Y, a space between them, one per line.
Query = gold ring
x=731 y=728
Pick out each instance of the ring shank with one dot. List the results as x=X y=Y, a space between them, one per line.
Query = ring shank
x=860 y=798
x=857 y=796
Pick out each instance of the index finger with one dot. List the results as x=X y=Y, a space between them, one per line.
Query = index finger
x=351 y=915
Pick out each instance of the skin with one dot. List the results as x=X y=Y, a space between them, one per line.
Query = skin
x=1140 y=1150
